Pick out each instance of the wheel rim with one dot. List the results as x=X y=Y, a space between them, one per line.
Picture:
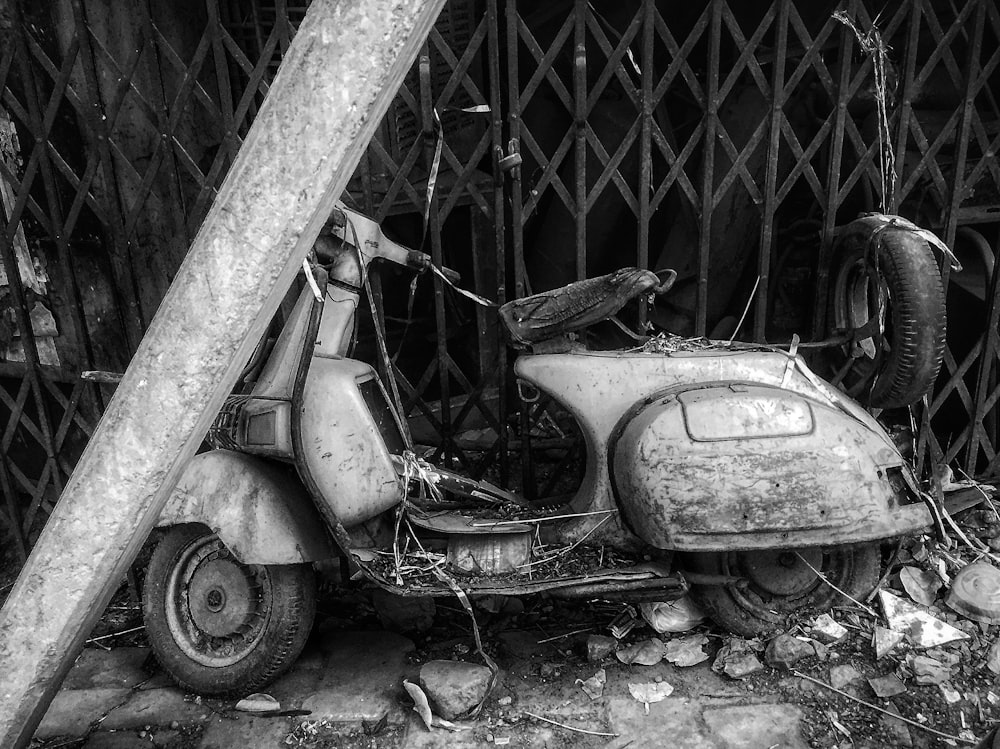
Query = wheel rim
x=860 y=296
x=781 y=581
x=216 y=607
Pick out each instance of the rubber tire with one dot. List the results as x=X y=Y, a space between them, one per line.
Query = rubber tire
x=743 y=612
x=909 y=270
x=288 y=622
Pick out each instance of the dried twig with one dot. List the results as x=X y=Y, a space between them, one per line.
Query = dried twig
x=881 y=710
x=567 y=634
x=746 y=310
x=824 y=578
x=115 y=634
x=492 y=523
x=567 y=549
x=572 y=728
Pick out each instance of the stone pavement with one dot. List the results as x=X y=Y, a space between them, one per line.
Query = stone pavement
x=117 y=700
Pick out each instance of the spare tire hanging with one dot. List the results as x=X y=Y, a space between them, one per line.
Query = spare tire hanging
x=888 y=296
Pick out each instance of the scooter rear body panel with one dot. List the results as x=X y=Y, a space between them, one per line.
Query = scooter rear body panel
x=597 y=388
x=732 y=466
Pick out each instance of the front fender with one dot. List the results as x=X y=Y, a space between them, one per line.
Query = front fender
x=259 y=509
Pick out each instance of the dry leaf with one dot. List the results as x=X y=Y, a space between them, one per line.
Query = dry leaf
x=685 y=651
x=921 y=585
x=647 y=653
x=420 y=704
x=594 y=686
x=653 y=692
x=258 y=703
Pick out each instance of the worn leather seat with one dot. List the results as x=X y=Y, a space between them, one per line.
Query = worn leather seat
x=575 y=306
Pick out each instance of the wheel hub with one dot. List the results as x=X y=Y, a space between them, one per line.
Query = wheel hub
x=782 y=572
x=220 y=597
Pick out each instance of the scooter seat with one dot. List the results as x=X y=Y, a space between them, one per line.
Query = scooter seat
x=575 y=306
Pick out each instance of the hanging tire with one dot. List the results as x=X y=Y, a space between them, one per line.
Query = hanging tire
x=218 y=626
x=893 y=275
x=776 y=583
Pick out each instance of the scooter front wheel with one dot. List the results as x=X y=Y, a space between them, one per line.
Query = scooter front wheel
x=772 y=584
x=218 y=626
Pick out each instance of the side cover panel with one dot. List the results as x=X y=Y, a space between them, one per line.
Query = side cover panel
x=745 y=466
x=259 y=509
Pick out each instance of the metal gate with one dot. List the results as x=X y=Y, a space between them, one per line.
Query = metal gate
x=561 y=139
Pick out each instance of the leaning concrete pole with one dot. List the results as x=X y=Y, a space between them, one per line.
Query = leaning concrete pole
x=334 y=85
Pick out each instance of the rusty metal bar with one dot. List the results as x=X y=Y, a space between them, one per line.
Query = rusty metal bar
x=906 y=105
x=580 y=127
x=833 y=180
x=771 y=176
x=239 y=266
x=711 y=119
x=496 y=123
x=645 y=187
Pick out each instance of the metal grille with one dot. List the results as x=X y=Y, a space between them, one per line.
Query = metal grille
x=725 y=138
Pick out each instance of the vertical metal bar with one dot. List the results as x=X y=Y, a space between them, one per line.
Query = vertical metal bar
x=126 y=297
x=580 y=124
x=514 y=126
x=771 y=176
x=517 y=223
x=708 y=166
x=353 y=51
x=972 y=69
x=222 y=78
x=162 y=108
x=430 y=136
x=37 y=115
x=645 y=187
x=833 y=177
x=496 y=123
x=906 y=105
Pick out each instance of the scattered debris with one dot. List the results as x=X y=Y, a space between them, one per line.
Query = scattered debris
x=600 y=647
x=885 y=640
x=736 y=659
x=927 y=670
x=975 y=593
x=651 y=692
x=921 y=585
x=422 y=708
x=993 y=659
x=887 y=686
x=681 y=615
x=258 y=703
x=826 y=630
x=625 y=622
x=841 y=676
x=594 y=686
x=950 y=694
x=454 y=687
x=784 y=651
x=571 y=728
x=647 y=653
x=922 y=629
x=686 y=651
x=878 y=709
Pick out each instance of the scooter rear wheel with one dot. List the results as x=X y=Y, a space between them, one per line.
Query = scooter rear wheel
x=776 y=583
x=218 y=626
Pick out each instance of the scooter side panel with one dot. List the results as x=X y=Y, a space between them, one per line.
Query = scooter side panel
x=259 y=509
x=743 y=466
x=343 y=448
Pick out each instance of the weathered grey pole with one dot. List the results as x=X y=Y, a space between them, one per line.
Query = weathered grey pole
x=335 y=83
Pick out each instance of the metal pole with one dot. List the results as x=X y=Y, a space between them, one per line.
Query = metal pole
x=336 y=82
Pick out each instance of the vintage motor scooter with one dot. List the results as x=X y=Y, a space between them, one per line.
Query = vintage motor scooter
x=731 y=471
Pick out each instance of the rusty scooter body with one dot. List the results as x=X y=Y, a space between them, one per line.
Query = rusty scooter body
x=732 y=471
